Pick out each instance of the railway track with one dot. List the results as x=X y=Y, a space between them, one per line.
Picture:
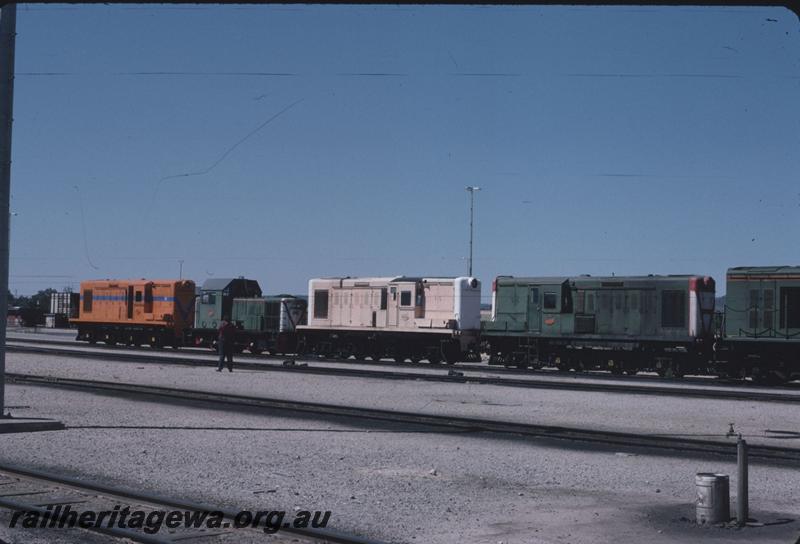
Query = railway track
x=470 y=367
x=654 y=442
x=709 y=391
x=49 y=495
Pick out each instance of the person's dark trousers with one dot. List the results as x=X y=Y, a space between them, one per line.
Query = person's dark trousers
x=225 y=351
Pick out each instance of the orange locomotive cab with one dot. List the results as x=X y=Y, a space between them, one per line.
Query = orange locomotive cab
x=134 y=312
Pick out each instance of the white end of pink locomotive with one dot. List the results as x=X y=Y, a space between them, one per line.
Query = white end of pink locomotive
x=467 y=303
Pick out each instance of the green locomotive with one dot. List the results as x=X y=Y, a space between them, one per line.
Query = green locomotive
x=761 y=324
x=624 y=324
x=263 y=323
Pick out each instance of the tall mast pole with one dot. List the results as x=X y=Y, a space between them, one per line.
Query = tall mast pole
x=471 y=191
x=8 y=31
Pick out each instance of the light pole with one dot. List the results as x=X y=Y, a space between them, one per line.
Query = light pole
x=8 y=32
x=180 y=274
x=471 y=191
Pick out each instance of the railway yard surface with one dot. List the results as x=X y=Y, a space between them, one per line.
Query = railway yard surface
x=397 y=481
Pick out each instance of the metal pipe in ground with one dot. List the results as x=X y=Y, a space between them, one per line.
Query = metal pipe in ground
x=742 y=498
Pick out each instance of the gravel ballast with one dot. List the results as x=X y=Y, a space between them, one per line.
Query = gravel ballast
x=391 y=483
x=689 y=417
x=397 y=483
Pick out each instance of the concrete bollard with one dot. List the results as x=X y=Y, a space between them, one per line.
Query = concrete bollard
x=713 y=498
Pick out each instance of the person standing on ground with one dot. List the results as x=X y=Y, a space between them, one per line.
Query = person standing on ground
x=225 y=343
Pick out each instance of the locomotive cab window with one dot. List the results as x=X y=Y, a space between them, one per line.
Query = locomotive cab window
x=138 y=297
x=384 y=298
x=405 y=298
x=550 y=300
x=673 y=309
x=320 y=303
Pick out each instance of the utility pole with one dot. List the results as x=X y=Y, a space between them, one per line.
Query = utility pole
x=180 y=274
x=8 y=31
x=471 y=191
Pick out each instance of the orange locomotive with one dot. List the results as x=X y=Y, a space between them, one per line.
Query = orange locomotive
x=134 y=312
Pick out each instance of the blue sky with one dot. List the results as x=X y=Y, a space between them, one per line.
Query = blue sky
x=624 y=140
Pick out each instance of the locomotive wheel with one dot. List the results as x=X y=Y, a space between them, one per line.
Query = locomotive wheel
x=344 y=354
x=523 y=362
x=674 y=371
x=766 y=377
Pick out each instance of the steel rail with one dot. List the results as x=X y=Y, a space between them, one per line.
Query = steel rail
x=598 y=375
x=453 y=423
x=151 y=499
x=713 y=392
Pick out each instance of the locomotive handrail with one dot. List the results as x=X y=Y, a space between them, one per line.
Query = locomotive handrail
x=749 y=308
x=776 y=334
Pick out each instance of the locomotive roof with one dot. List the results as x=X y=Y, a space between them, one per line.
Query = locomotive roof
x=764 y=270
x=220 y=284
x=389 y=279
x=551 y=280
x=136 y=281
x=420 y=278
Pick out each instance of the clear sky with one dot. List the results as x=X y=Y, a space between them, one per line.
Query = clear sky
x=337 y=140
